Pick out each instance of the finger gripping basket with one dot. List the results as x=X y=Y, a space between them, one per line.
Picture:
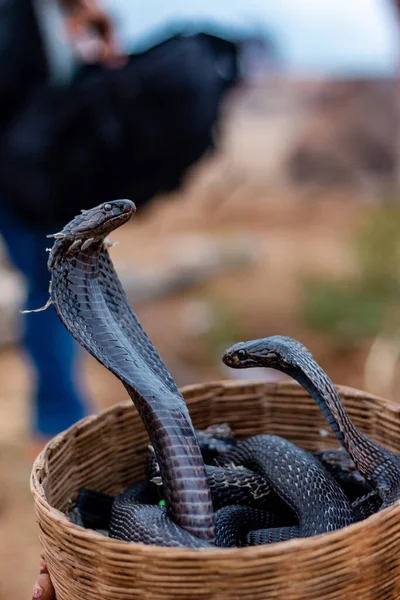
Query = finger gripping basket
x=107 y=453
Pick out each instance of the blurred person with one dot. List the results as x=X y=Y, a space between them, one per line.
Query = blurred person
x=58 y=402
x=113 y=139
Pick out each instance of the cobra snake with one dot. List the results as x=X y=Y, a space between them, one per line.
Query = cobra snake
x=379 y=466
x=90 y=301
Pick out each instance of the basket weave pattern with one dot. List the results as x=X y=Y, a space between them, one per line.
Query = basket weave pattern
x=107 y=453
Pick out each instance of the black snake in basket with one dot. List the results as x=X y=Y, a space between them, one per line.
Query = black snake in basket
x=88 y=297
x=379 y=466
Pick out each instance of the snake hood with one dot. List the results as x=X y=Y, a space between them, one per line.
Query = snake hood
x=90 y=226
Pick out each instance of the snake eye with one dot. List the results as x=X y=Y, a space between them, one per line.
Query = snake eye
x=241 y=354
x=107 y=206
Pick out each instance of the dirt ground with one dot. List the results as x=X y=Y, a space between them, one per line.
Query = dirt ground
x=291 y=236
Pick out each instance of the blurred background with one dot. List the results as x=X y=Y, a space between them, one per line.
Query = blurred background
x=290 y=225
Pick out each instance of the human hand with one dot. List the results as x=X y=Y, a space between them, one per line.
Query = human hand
x=91 y=32
x=43 y=588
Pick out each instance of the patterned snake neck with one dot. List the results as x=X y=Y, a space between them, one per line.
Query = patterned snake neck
x=379 y=466
x=89 y=299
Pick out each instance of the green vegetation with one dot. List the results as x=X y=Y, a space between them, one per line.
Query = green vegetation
x=355 y=308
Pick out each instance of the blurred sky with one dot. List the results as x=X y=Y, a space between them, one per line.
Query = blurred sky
x=319 y=36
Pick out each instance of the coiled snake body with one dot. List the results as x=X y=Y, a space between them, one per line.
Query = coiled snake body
x=88 y=297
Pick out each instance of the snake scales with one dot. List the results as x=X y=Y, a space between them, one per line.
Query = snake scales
x=88 y=297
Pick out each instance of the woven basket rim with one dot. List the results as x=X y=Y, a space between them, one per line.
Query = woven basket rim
x=262 y=551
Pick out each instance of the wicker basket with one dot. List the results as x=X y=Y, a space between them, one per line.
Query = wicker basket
x=107 y=452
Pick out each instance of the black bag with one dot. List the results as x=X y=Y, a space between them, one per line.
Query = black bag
x=127 y=132
x=23 y=64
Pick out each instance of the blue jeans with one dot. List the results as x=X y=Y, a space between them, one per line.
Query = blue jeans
x=58 y=401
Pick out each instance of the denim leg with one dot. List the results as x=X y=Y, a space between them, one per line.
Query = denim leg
x=58 y=401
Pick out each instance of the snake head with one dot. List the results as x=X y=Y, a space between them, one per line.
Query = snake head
x=273 y=352
x=91 y=226
x=98 y=222
x=238 y=357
